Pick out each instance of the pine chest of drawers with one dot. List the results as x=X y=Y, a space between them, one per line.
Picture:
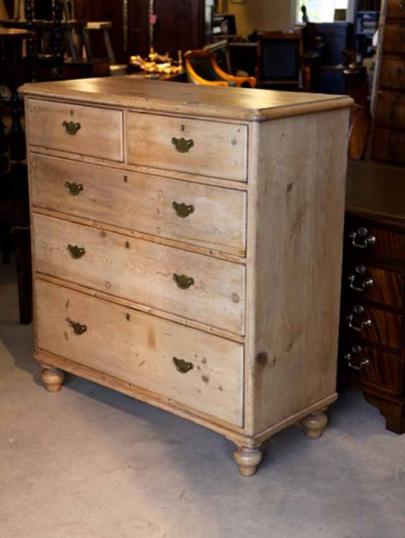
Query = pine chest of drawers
x=187 y=248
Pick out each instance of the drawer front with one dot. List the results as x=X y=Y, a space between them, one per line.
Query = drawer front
x=366 y=242
x=392 y=73
x=193 y=368
x=374 y=325
x=77 y=129
x=206 y=216
x=390 y=112
x=394 y=38
x=396 y=9
x=388 y=146
x=194 y=146
x=373 y=367
x=367 y=283
x=190 y=285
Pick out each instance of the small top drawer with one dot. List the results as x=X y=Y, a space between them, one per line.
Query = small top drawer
x=187 y=145
x=77 y=129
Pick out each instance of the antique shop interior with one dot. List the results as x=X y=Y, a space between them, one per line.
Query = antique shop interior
x=202 y=268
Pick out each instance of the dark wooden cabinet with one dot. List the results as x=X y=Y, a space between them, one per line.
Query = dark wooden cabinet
x=372 y=346
x=180 y=24
x=388 y=141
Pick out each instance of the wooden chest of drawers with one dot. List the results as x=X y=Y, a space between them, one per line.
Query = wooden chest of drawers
x=373 y=308
x=388 y=140
x=187 y=248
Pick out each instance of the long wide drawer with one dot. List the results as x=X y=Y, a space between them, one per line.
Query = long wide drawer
x=193 y=286
x=193 y=368
x=77 y=129
x=206 y=216
x=187 y=145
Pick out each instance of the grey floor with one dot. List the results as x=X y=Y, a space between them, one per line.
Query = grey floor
x=90 y=463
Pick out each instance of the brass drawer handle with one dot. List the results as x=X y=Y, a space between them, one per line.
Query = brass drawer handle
x=361 y=239
x=183 y=210
x=73 y=188
x=77 y=327
x=182 y=366
x=358 y=283
x=76 y=252
x=184 y=282
x=360 y=363
x=351 y=318
x=71 y=127
x=182 y=145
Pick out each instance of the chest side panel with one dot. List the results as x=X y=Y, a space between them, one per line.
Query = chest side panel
x=299 y=228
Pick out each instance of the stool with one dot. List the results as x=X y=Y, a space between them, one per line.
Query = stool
x=101 y=26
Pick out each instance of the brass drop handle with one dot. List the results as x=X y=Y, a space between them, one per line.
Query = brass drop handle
x=182 y=145
x=182 y=366
x=183 y=210
x=74 y=188
x=356 y=282
x=360 y=363
x=184 y=282
x=77 y=327
x=361 y=239
x=359 y=327
x=71 y=127
x=76 y=252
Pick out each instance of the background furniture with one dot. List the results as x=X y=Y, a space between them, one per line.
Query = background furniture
x=14 y=211
x=388 y=140
x=202 y=68
x=280 y=60
x=372 y=355
x=192 y=314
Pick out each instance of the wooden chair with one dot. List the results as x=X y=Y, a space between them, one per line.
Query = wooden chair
x=280 y=60
x=202 y=68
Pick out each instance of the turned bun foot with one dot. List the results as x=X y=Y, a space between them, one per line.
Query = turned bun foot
x=247 y=459
x=52 y=378
x=314 y=425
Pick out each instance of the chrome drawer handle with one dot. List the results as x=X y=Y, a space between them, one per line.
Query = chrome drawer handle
x=182 y=145
x=75 y=251
x=361 y=362
x=358 y=284
x=71 y=127
x=361 y=239
x=77 y=327
x=74 y=188
x=183 y=281
x=359 y=327
x=182 y=210
x=182 y=366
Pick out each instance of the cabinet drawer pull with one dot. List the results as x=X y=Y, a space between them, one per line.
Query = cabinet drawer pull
x=361 y=239
x=183 y=210
x=76 y=252
x=182 y=145
x=71 y=127
x=361 y=324
x=73 y=188
x=77 y=327
x=361 y=362
x=182 y=366
x=184 y=282
x=359 y=283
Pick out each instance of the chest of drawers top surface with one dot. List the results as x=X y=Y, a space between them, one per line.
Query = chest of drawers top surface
x=237 y=104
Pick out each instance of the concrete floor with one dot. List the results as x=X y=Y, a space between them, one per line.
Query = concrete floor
x=91 y=463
